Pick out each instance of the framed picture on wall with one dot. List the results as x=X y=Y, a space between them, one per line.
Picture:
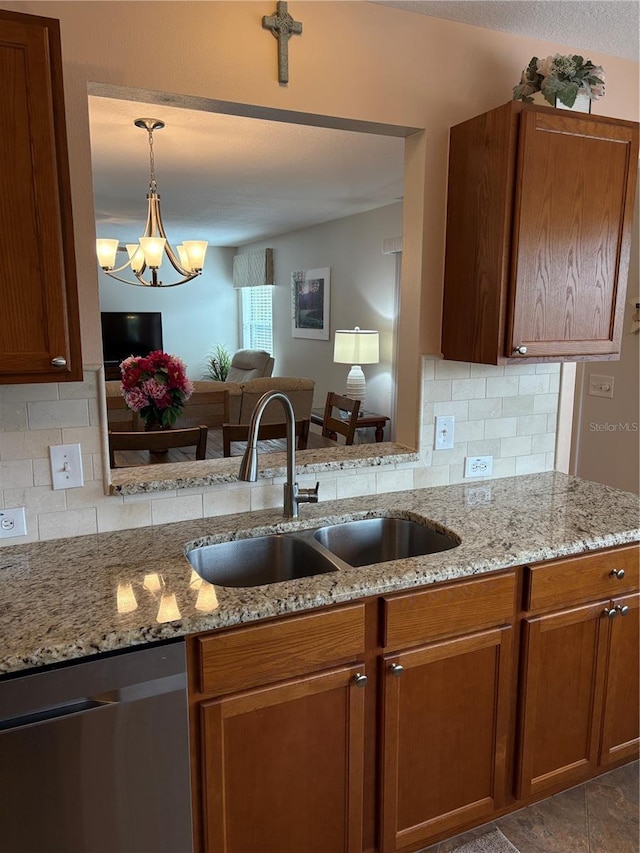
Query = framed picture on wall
x=310 y=300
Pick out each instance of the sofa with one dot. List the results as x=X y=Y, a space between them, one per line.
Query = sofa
x=248 y=364
x=242 y=398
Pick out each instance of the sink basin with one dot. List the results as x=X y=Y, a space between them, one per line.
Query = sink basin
x=376 y=540
x=262 y=560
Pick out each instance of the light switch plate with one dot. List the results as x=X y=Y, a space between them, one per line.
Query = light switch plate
x=66 y=466
x=444 y=432
x=601 y=386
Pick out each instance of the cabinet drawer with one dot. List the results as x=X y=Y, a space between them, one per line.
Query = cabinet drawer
x=261 y=654
x=577 y=579
x=445 y=611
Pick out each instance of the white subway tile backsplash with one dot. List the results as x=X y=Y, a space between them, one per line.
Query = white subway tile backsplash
x=504 y=467
x=40 y=498
x=16 y=474
x=28 y=445
x=469 y=430
x=13 y=416
x=544 y=443
x=224 y=501
x=355 y=484
x=531 y=424
x=519 y=446
x=74 y=522
x=545 y=403
x=538 y=383
x=394 y=480
x=25 y=393
x=548 y=367
x=533 y=464
x=424 y=478
x=492 y=407
x=458 y=408
x=486 y=370
x=468 y=389
x=518 y=405
x=487 y=447
x=180 y=508
x=58 y=413
x=89 y=437
x=500 y=427
x=42 y=471
x=450 y=457
x=439 y=389
x=502 y=386
x=116 y=515
x=452 y=370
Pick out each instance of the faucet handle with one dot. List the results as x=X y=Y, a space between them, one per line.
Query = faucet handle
x=308 y=496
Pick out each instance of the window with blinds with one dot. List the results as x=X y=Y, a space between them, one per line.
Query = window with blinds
x=257 y=322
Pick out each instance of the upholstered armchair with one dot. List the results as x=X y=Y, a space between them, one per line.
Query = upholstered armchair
x=248 y=364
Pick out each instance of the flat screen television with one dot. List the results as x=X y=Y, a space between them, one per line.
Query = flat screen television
x=126 y=333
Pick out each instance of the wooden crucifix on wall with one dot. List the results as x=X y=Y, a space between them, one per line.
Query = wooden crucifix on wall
x=282 y=27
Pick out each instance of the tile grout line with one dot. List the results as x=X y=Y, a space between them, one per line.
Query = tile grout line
x=586 y=815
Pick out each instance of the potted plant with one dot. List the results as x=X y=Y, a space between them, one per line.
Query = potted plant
x=561 y=78
x=217 y=364
x=157 y=387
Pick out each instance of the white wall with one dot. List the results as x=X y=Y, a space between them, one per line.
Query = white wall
x=362 y=294
x=195 y=316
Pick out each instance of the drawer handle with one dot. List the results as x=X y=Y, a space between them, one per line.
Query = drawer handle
x=617 y=573
x=520 y=350
x=610 y=613
x=360 y=680
x=396 y=669
x=59 y=361
x=622 y=609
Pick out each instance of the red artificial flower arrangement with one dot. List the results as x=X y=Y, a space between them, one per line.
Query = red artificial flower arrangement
x=157 y=386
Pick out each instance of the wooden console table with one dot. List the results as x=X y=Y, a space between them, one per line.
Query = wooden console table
x=365 y=419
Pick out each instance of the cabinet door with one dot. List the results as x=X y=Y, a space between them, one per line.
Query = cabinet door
x=622 y=693
x=563 y=674
x=572 y=229
x=282 y=767
x=39 y=325
x=445 y=736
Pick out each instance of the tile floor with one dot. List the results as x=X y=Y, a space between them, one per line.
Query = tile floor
x=601 y=816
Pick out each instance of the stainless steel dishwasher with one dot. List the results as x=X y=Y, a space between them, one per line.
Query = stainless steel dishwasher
x=94 y=756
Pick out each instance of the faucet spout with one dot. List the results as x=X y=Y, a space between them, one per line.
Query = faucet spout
x=293 y=495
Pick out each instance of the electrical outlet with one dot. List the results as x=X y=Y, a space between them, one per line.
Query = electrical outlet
x=478 y=466
x=444 y=432
x=66 y=466
x=13 y=522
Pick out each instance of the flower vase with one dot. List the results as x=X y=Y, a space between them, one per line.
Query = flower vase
x=582 y=103
x=154 y=425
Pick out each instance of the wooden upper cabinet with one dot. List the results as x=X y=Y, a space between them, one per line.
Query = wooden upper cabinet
x=539 y=218
x=39 y=322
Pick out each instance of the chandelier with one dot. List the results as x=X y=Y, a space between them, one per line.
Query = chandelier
x=153 y=245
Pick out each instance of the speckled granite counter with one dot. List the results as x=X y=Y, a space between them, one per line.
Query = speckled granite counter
x=59 y=599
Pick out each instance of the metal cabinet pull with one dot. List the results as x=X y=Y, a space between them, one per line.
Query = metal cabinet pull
x=610 y=612
x=396 y=669
x=617 y=573
x=520 y=350
x=360 y=680
x=622 y=609
x=59 y=361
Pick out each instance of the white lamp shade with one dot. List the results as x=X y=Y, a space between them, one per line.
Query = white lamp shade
x=195 y=251
x=153 y=248
x=356 y=346
x=136 y=256
x=184 y=258
x=106 y=250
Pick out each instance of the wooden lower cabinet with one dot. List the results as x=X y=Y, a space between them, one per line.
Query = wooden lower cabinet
x=580 y=693
x=481 y=695
x=445 y=728
x=283 y=766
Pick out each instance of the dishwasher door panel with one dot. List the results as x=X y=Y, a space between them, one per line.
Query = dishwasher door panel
x=105 y=774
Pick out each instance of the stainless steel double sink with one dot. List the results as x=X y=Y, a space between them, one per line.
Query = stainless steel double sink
x=286 y=556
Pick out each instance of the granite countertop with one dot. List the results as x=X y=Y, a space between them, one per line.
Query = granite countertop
x=60 y=598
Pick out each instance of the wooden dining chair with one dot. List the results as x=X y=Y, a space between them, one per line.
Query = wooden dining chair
x=334 y=423
x=158 y=441
x=266 y=432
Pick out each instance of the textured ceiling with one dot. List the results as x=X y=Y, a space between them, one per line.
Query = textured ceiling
x=232 y=180
x=608 y=26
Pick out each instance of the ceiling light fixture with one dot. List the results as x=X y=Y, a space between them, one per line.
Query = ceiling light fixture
x=153 y=245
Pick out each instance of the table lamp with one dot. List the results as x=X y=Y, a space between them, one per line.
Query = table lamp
x=356 y=347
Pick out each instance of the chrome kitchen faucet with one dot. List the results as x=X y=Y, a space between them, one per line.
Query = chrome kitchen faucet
x=293 y=494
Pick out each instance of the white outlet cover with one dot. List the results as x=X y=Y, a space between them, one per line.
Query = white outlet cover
x=601 y=386
x=66 y=466
x=478 y=466
x=13 y=522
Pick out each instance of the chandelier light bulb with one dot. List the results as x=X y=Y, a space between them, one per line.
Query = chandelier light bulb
x=106 y=250
x=195 y=251
x=136 y=256
x=153 y=250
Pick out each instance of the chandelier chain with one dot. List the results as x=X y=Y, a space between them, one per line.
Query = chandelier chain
x=153 y=186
